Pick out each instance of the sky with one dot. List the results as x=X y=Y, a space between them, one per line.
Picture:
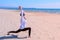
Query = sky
x=31 y=3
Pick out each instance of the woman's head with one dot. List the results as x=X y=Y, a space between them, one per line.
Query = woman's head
x=20 y=7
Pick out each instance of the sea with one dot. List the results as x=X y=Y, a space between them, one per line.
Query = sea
x=49 y=10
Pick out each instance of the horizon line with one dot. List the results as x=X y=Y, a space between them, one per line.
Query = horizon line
x=29 y=7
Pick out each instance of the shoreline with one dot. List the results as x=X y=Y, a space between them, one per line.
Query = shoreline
x=41 y=11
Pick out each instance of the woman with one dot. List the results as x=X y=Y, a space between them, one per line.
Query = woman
x=23 y=24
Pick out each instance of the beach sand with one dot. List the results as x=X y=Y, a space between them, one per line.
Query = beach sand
x=45 y=26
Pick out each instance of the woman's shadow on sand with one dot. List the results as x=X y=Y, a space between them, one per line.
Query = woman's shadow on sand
x=11 y=37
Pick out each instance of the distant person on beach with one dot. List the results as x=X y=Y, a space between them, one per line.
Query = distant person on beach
x=23 y=24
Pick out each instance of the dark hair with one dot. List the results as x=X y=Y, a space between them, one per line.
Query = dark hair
x=21 y=14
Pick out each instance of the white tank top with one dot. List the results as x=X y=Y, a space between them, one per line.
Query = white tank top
x=22 y=26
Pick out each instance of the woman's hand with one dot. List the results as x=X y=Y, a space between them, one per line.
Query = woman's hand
x=24 y=18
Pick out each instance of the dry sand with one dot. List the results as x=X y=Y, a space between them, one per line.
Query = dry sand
x=45 y=26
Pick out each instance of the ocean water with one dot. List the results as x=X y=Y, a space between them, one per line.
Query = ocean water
x=34 y=9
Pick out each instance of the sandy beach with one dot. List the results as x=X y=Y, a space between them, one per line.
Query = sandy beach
x=45 y=26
